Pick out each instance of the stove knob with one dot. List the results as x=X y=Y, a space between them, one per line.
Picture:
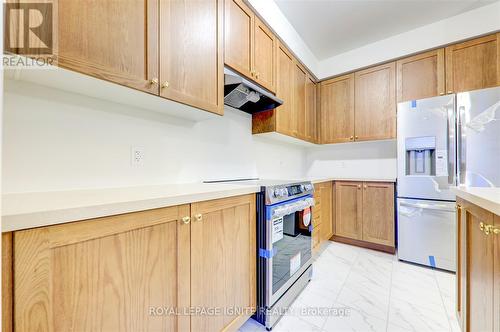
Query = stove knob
x=303 y=188
x=284 y=192
x=277 y=192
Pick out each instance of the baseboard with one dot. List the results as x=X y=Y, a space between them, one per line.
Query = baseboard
x=364 y=244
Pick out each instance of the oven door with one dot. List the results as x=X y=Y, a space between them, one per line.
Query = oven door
x=288 y=242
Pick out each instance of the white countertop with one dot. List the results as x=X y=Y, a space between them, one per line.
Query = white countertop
x=29 y=210
x=487 y=198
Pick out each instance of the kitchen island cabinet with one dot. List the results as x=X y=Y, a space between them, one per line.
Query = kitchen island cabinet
x=478 y=266
x=122 y=272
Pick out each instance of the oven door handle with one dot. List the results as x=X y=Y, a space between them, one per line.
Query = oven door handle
x=287 y=209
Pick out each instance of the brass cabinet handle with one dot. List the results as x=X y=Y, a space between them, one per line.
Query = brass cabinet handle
x=252 y=73
x=488 y=229
x=257 y=75
x=351 y=138
x=359 y=186
x=450 y=91
x=366 y=186
x=441 y=93
x=356 y=137
x=154 y=81
x=198 y=217
x=186 y=220
x=165 y=85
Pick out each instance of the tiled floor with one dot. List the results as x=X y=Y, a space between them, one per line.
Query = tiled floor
x=378 y=292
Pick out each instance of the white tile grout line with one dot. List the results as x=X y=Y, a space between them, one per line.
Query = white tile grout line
x=343 y=285
x=442 y=301
x=390 y=294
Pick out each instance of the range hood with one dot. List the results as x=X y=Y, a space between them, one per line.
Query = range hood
x=246 y=96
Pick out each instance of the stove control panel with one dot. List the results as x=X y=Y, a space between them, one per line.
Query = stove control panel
x=280 y=193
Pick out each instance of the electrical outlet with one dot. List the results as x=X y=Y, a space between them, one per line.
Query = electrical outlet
x=137 y=156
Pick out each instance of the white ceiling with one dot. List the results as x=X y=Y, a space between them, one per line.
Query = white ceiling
x=330 y=27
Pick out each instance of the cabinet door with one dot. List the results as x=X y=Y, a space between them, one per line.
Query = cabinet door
x=480 y=271
x=112 y=40
x=191 y=53
x=326 y=211
x=7 y=283
x=264 y=56
x=375 y=103
x=299 y=101
x=421 y=76
x=286 y=121
x=107 y=274
x=311 y=115
x=348 y=209
x=378 y=213
x=337 y=110
x=223 y=258
x=474 y=64
x=460 y=275
x=238 y=36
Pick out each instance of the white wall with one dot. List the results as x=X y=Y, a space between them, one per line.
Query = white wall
x=473 y=23
x=275 y=18
x=353 y=160
x=55 y=140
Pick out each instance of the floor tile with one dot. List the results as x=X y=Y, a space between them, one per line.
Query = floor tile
x=354 y=321
x=367 y=301
x=412 y=317
x=379 y=292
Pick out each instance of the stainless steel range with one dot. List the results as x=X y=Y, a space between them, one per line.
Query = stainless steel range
x=284 y=263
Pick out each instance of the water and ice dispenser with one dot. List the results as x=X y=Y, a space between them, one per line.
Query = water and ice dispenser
x=420 y=155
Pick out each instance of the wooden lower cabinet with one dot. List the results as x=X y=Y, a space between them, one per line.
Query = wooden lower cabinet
x=322 y=213
x=7 y=280
x=378 y=213
x=364 y=214
x=131 y=272
x=223 y=256
x=478 y=281
x=348 y=209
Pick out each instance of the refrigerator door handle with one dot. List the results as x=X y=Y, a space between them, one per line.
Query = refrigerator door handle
x=461 y=144
x=440 y=207
x=450 y=141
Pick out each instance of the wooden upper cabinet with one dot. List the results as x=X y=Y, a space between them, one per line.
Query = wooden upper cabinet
x=337 y=110
x=311 y=112
x=223 y=266
x=250 y=46
x=299 y=101
x=474 y=64
x=264 y=55
x=479 y=271
x=348 y=209
x=104 y=274
x=421 y=76
x=238 y=36
x=375 y=103
x=191 y=53
x=286 y=121
x=378 y=213
x=122 y=50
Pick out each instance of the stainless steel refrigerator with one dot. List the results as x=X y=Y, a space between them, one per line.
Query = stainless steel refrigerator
x=445 y=141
